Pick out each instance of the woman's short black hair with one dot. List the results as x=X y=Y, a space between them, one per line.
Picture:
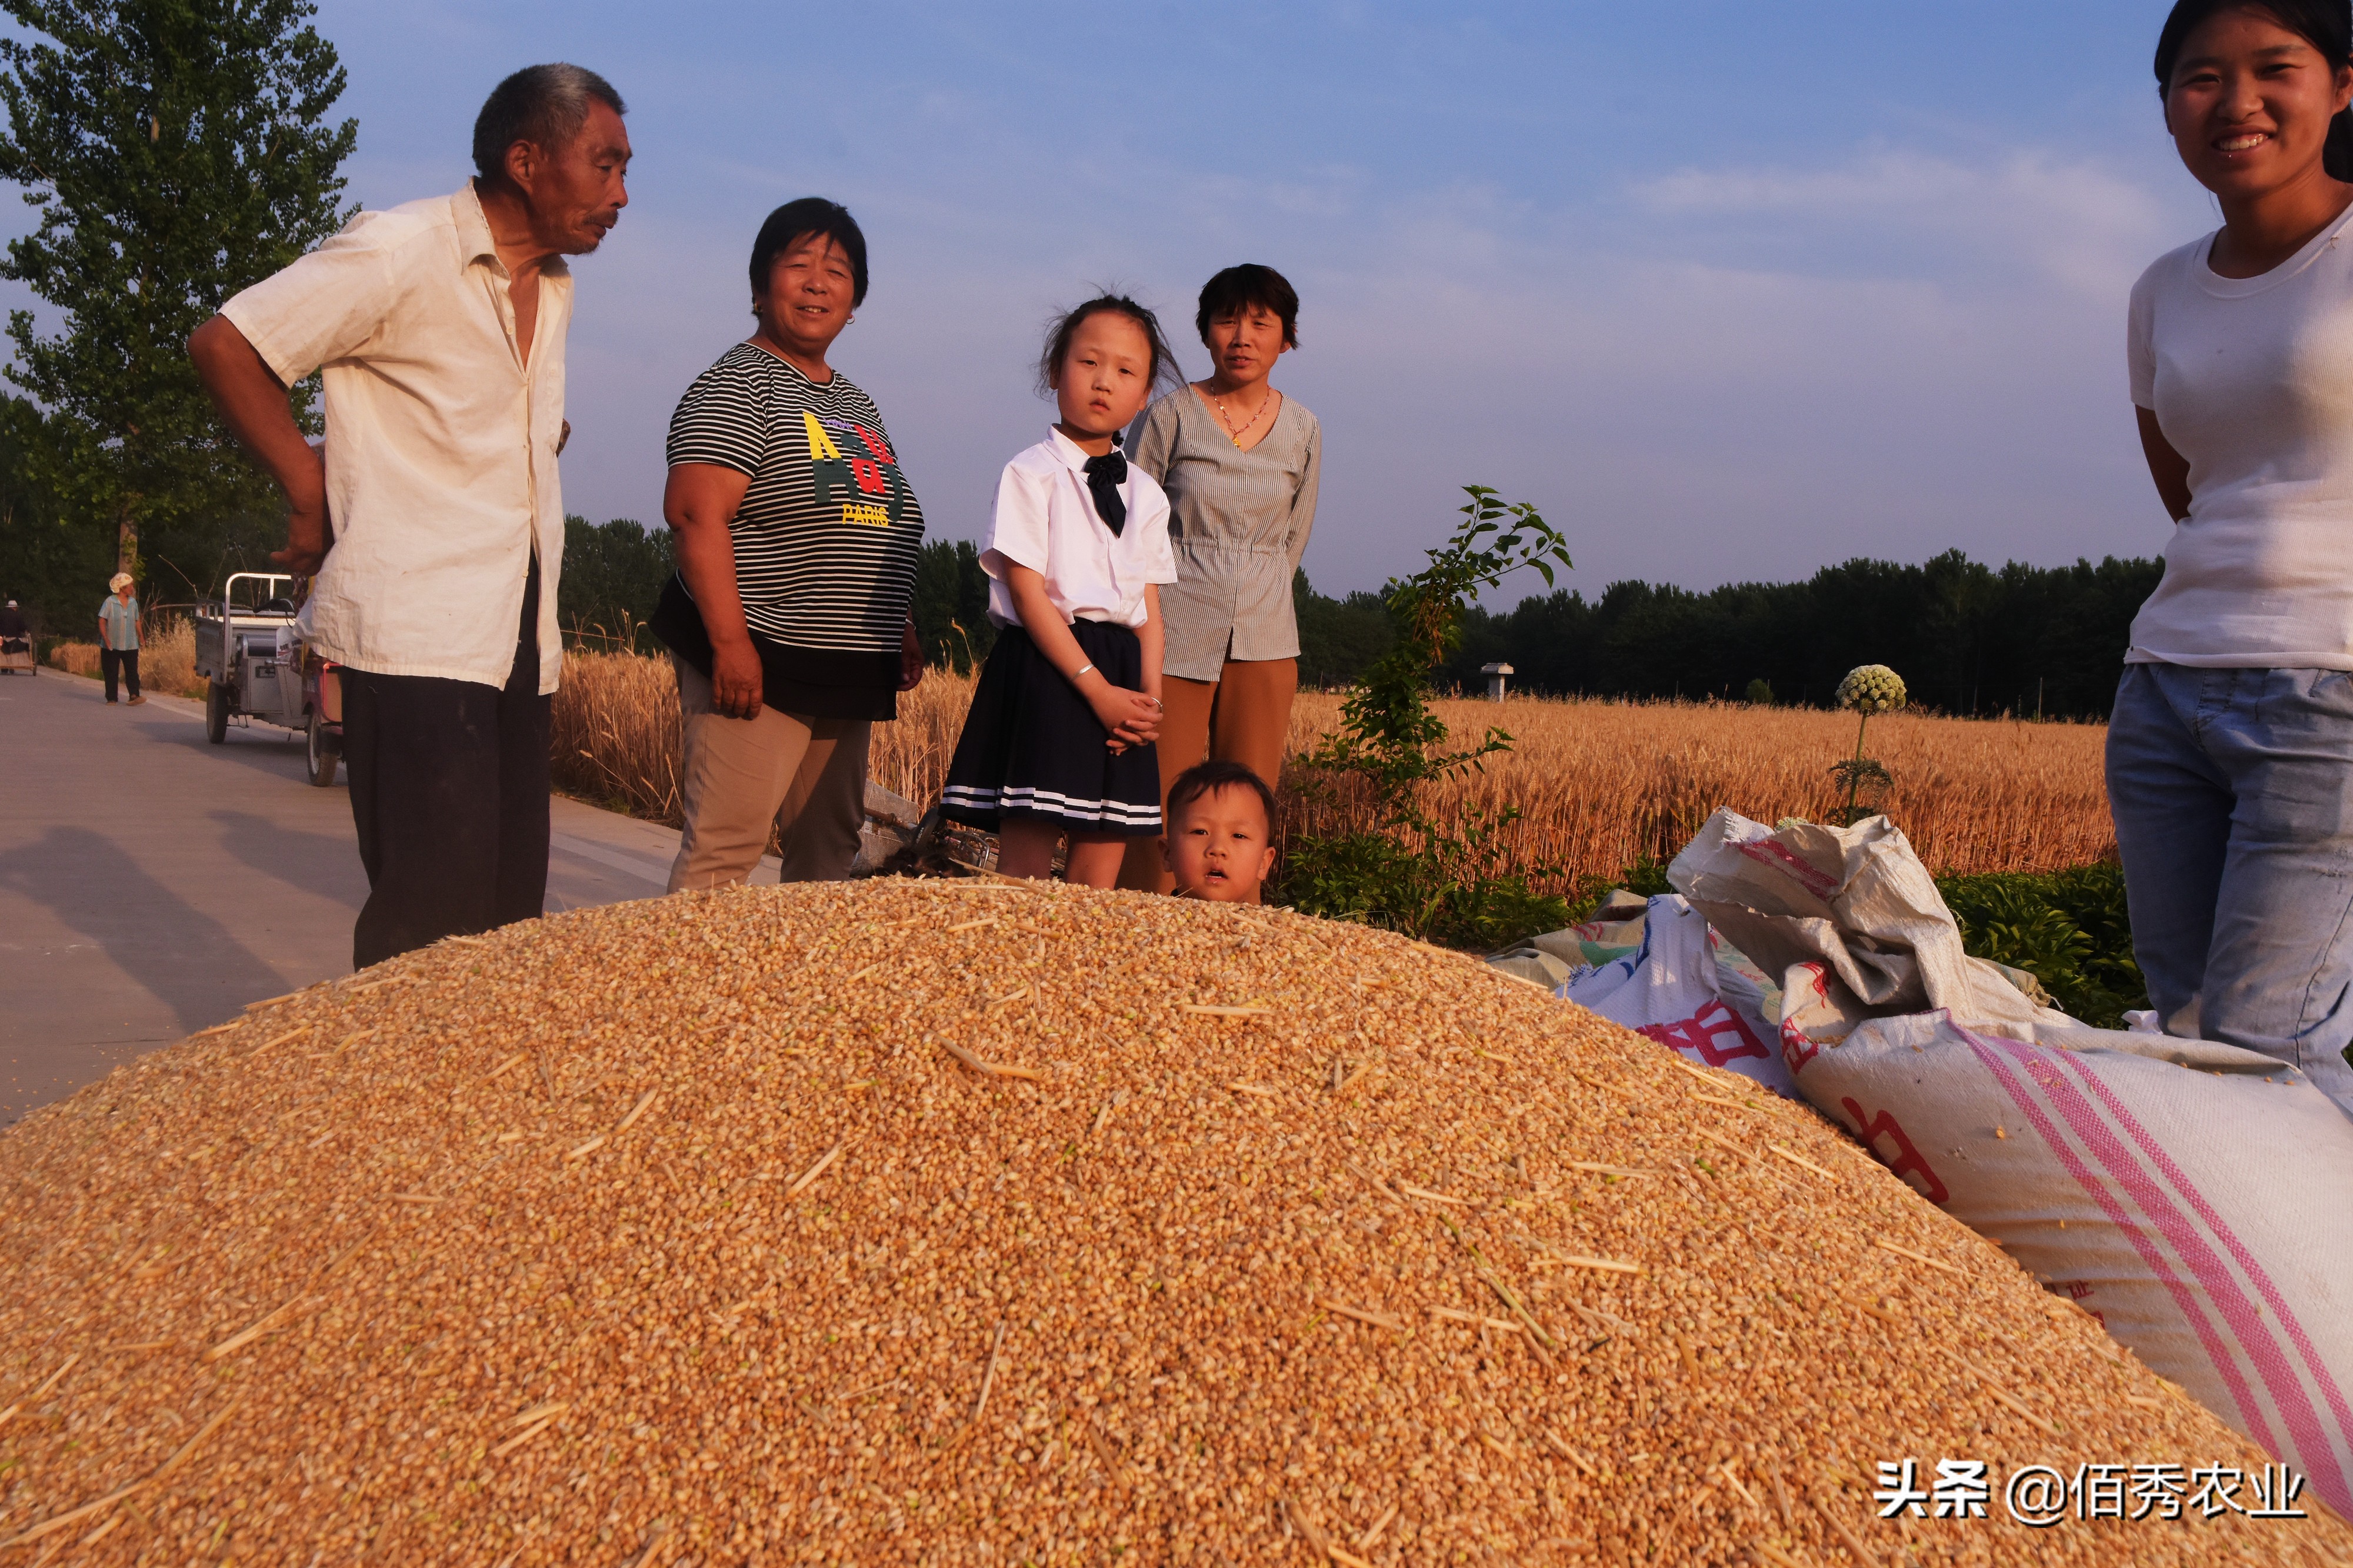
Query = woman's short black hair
x=795 y=220
x=1064 y=327
x=2326 y=25
x=1237 y=289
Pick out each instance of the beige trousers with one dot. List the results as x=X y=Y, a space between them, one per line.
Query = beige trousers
x=1241 y=717
x=805 y=777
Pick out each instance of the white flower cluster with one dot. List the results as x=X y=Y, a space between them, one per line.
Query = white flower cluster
x=1871 y=688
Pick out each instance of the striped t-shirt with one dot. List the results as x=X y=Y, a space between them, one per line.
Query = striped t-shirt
x=826 y=540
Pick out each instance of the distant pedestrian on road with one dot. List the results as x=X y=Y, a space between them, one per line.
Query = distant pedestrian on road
x=434 y=519
x=118 y=639
x=2230 y=753
x=12 y=629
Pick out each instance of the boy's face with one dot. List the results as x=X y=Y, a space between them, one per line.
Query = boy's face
x=1218 y=846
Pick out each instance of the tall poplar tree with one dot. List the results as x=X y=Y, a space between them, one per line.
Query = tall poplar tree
x=177 y=151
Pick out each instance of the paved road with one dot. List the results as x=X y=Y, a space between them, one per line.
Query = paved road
x=150 y=884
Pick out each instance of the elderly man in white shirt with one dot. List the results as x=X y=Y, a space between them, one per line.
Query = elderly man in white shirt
x=433 y=519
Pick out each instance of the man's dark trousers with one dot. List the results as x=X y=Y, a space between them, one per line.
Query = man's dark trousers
x=126 y=662
x=449 y=787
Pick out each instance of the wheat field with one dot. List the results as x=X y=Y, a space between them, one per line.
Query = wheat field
x=1601 y=785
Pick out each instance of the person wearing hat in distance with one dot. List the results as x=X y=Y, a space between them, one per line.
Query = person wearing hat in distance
x=433 y=519
x=118 y=638
x=11 y=628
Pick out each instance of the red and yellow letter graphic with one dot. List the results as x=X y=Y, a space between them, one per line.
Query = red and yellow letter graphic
x=860 y=478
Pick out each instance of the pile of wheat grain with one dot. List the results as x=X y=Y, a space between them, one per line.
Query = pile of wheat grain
x=953 y=1222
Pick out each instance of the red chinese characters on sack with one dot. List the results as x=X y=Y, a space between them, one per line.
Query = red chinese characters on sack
x=1908 y=1157
x=1715 y=1033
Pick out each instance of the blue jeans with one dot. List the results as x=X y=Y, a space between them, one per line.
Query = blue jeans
x=2232 y=793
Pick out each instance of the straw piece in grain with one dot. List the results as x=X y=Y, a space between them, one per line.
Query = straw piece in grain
x=975 y=925
x=1306 y=1527
x=245 y=1337
x=1995 y=1390
x=539 y=1412
x=1007 y=1000
x=279 y=1040
x=640 y=1110
x=1802 y=1159
x=1209 y=1010
x=1373 y=1531
x=988 y=1378
x=1252 y=1089
x=1424 y=1192
x=217 y=1029
x=1608 y=1170
x=1605 y=1264
x=988 y=1070
x=1733 y=1481
x=1886 y=1246
x=515 y=1060
x=1847 y=1537
x=1502 y=1325
x=271 y=1002
x=1362 y=1315
x=814 y=1172
x=584 y=1149
x=519 y=1438
x=74 y=1516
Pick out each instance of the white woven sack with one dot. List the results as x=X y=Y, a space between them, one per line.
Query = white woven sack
x=2190 y=1195
x=1672 y=989
x=1856 y=902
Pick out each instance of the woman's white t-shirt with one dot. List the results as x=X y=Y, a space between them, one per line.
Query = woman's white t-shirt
x=2252 y=381
x=1045 y=519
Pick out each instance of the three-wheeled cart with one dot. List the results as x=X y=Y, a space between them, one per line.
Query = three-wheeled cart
x=257 y=664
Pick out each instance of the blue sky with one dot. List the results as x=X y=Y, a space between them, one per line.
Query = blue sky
x=1731 y=291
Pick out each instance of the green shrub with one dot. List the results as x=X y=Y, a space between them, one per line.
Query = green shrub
x=2068 y=929
x=1440 y=881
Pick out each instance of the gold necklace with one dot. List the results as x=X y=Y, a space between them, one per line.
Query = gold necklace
x=1228 y=420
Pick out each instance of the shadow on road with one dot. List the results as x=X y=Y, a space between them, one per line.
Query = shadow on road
x=278 y=753
x=319 y=863
x=95 y=889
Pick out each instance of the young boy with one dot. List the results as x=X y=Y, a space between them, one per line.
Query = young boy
x=1220 y=842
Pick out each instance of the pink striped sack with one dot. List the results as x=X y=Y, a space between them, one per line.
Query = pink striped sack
x=2190 y=1195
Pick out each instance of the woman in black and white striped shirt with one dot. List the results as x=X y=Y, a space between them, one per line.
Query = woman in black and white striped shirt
x=788 y=620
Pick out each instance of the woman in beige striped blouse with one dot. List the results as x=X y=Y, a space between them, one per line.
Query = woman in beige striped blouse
x=1240 y=461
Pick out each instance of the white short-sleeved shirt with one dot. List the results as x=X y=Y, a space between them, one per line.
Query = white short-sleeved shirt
x=1045 y=519
x=441 y=471
x=2251 y=380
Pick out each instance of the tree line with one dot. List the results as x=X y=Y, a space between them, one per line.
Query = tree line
x=1967 y=637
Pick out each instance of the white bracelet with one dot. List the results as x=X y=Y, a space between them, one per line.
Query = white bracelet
x=1079 y=671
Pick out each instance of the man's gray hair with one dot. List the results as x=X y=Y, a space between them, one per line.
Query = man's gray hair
x=544 y=105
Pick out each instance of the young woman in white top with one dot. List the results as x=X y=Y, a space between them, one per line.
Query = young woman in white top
x=2230 y=752
x=1059 y=741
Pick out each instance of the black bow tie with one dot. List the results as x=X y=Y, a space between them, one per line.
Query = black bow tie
x=1104 y=476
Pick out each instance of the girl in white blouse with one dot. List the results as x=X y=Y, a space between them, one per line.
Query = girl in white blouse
x=2230 y=752
x=1058 y=741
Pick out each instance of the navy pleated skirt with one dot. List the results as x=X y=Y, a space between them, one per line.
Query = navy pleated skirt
x=1032 y=748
